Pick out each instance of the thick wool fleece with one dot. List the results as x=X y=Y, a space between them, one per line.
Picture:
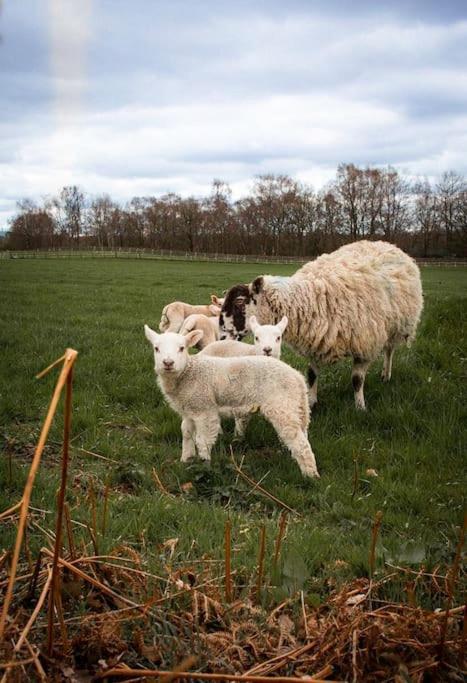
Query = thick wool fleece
x=209 y=383
x=209 y=387
x=356 y=301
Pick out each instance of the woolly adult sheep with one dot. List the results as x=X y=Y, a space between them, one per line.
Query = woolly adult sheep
x=198 y=387
x=361 y=300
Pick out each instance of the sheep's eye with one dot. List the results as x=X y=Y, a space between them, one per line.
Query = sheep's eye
x=156 y=349
x=278 y=339
x=256 y=338
x=181 y=348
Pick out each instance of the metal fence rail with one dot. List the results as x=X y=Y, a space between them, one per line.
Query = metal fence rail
x=166 y=254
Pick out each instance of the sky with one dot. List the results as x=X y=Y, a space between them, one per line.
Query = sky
x=144 y=97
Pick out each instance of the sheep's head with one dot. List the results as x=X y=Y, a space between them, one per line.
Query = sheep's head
x=171 y=349
x=233 y=322
x=217 y=301
x=239 y=304
x=268 y=338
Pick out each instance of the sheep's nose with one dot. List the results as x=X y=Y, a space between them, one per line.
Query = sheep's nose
x=168 y=363
x=267 y=351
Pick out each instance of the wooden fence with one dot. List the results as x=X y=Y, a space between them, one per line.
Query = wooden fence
x=166 y=254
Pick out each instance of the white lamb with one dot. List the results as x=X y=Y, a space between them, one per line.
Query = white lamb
x=175 y=313
x=209 y=327
x=199 y=387
x=359 y=301
x=267 y=342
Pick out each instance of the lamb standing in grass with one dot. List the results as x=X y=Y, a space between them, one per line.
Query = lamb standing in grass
x=199 y=387
x=267 y=342
x=208 y=326
x=175 y=313
x=360 y=301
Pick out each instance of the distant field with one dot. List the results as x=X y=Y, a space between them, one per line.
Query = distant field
x=413 y=433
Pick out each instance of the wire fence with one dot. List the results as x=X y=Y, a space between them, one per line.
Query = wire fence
x=169 y=254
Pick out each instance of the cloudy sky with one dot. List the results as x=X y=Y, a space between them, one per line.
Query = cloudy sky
x=138 y=97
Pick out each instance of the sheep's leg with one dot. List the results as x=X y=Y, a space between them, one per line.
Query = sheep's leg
x=359 y=371
x=241 y=423
x=207 y=429
x=294 y=437
x=175 y=323
x=188 y=439
x=312 y=384
x=300 y=449
x=387 y=367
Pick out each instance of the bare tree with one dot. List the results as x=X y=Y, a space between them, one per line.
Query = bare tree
x=100 y=220
x=69 y=209
x=451 y=190
x=280 y=216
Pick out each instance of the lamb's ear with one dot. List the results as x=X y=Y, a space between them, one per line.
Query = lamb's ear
x=282 y=324
x=215 y=310
x=253 y=323
x=257 y=285
x=215 y=300
x=193 y=337
x=151 y=336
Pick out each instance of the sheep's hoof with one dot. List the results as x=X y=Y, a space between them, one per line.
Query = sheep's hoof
x=385 y=378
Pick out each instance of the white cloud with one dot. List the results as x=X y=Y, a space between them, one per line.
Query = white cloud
x=164 y=104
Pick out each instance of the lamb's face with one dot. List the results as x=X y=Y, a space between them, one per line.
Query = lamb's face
x=171 y=350
x=268 y=338
x=233 y=320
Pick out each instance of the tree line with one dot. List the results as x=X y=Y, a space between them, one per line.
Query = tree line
x=280 y=217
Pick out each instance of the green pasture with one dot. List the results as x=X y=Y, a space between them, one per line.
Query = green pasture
x=413 y=434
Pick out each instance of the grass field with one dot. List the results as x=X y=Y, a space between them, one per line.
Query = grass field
x=413 y=433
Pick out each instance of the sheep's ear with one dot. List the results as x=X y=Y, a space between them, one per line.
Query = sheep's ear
x=150 y=334
x=215 y=310
x=257 y=285
x=253 y=323
x=282 y=324
x=193 y=337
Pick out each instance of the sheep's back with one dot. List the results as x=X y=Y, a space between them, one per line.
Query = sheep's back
x=351 y=302
x=228 y=348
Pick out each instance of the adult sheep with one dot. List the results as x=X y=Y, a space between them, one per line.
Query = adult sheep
x=359 y=301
